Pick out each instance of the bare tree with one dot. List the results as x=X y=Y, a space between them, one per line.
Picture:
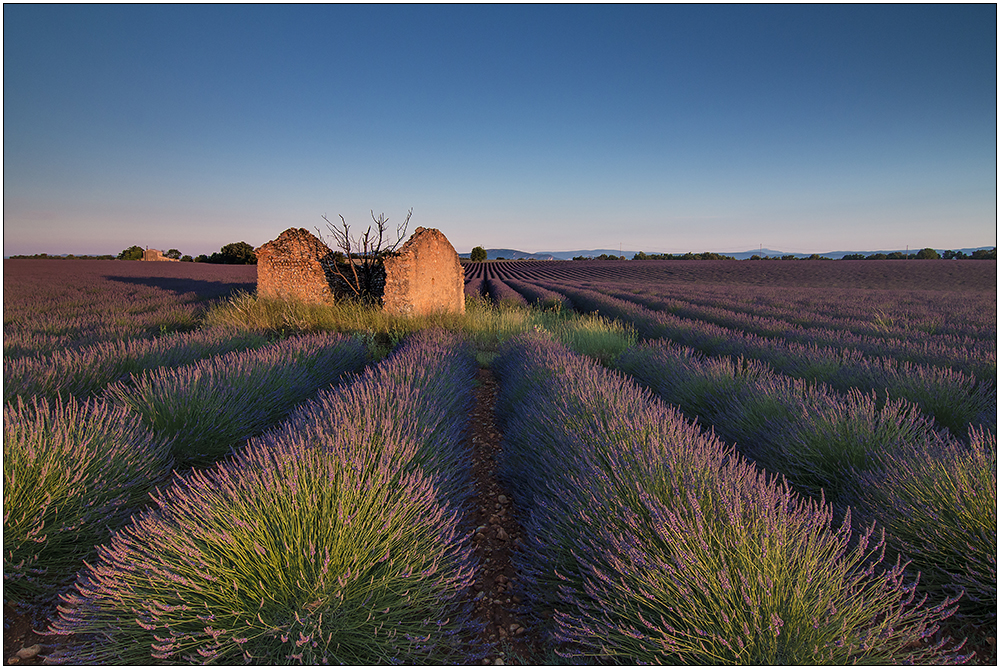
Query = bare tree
x=364 y=256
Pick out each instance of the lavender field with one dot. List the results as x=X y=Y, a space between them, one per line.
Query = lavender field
x=712 y=462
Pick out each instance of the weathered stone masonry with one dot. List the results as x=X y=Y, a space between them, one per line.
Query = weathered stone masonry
x=296 y=265
x=424 y=276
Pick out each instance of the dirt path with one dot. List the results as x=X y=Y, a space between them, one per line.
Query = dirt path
x=21 y=643
x=498 y=535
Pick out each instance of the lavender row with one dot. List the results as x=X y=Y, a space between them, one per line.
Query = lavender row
x=976 y=357
x=72 y=472
x=968 y=278
x=955 y=400
x=212 y=406
x=938 y=503
x=474 y=288
x=657 y=543
x=52 y=305
x=899 y=314
x=420 y=394
x=950 y=300
x=87 y=371
x=808 y=432
x=327 y=540
x=849 y=450
x=501 y=293
x=540 y=296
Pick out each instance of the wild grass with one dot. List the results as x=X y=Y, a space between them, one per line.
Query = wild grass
x=289 y=316
x=72 y=473
x=486 y=325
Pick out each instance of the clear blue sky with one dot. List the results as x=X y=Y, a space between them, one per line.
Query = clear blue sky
x=657 y=127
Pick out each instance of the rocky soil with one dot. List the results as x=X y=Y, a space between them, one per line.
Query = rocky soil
x=497 y=537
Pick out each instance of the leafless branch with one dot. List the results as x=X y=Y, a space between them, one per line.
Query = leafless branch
x=366 y=252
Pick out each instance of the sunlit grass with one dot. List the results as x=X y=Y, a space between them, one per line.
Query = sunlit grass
x=485 y=324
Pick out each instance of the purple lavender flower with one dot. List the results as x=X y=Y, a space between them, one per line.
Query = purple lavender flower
x=655 y=542
x=293 y=578
x=72 y=473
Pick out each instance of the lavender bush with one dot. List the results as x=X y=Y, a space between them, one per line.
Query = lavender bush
x=954 y=399
x=746 y=572
x=290 y=556
x=211 y=406
x=325 y=540
x=938 y=501
x=669 y=547
x=925 y=488
x=811 y=434
x=72 y=473
x=820 y=448
x=501 y=293
x=474 y=288
x=420 y=395
x=86 y=371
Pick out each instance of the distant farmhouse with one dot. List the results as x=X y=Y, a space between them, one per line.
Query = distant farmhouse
x=157 y=256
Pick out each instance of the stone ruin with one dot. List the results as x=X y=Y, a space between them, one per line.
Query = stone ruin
x=422 y=277
x=296 y=265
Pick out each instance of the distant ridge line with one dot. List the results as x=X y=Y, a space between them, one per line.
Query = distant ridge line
x=514 y=254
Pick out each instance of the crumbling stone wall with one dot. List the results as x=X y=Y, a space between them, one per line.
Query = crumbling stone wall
x=424 y=276
x=296 y=265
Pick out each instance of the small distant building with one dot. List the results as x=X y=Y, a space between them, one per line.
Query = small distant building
x=156 y=256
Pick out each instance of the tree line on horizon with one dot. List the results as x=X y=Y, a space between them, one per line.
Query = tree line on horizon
x=238 y=253
x=241 y=253
x=479 y=254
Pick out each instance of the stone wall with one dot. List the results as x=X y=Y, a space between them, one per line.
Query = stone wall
x=296 y=265
x=424 y=276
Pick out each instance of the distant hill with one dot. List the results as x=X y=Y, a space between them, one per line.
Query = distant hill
x=514 y=254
